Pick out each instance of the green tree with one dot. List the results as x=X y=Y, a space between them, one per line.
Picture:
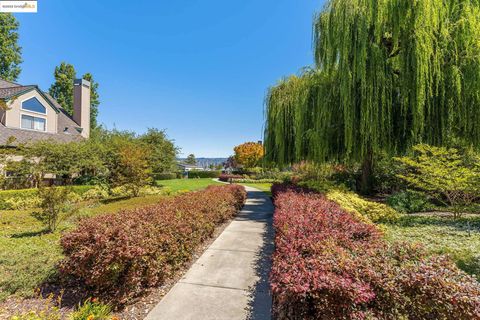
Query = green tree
x=55 y=207
x=163 y=152
x=10 y=51
x=132 y=170
x=388 y=75
x=62 y=90
x=191 y=160
x=444 y=174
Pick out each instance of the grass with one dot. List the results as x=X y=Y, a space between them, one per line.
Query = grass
x=441 y=234
x=28 y=255
x=176 y=185
x=265 y=187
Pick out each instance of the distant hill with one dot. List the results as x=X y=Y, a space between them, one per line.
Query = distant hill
x=206 y=162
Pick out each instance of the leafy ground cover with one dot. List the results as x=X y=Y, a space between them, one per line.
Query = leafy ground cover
x=328 y=264
x=440 y=233
x=28 y=255
x=176 y=185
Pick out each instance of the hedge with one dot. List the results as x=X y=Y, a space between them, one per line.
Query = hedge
x=26 y=194
x=204 y=174
x=329 y=265
x=165 y=176
x=122 y=255
x=229 y=177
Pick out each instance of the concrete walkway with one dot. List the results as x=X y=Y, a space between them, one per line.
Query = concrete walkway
x=230 y=280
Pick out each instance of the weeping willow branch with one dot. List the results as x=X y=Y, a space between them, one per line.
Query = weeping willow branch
x=389 y=74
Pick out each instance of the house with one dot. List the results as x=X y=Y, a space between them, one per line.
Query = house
x=188 y=167
x=28 y=114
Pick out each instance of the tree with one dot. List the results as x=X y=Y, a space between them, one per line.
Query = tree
x=444 y=174
x=249 y=154
x=132 y=170
x=55 y=207
x=191 y=160
x=163 y=152
x=10 y=51
x=387 y=76
x=62 y=90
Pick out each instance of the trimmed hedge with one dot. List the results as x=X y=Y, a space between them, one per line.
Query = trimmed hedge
x=204 y=174
x=363 y=210
x=165 y=176
x=229 y=177
x=329 y=265
x=121 y=255
x=28 y=194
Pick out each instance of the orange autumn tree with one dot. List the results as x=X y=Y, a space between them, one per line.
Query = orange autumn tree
x=249 y=154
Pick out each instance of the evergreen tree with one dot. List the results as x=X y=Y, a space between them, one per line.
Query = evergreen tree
x=62 y=90
x=10 y=51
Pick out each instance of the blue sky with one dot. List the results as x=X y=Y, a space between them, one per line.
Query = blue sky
x=197 y=68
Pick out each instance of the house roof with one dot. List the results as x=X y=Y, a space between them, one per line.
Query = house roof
x=15 y=137
x=6 y=93
x=67 y=129
x=8 y=84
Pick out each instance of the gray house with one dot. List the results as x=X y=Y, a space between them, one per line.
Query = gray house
x=28 y=114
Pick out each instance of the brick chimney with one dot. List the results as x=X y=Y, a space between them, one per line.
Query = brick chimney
x=81 y=105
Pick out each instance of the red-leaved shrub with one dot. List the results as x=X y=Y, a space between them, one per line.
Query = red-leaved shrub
x=328 y=265
x=123 y=254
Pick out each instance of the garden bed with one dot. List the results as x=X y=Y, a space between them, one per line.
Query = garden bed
x=330 y=264
x=218 y=212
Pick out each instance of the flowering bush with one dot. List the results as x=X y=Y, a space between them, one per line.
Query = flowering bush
x=123 y=254
x=329 y=265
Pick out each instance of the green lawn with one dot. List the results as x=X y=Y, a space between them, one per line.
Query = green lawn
x=28 y=256
x=442 y=234
x=265 y=187
x=176 y=185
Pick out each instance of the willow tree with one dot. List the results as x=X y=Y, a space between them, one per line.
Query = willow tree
x=388 y=74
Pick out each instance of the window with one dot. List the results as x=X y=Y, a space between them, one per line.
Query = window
x=33 y=123
x=33 y=105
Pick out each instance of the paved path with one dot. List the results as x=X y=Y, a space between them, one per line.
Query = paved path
x=230 y=280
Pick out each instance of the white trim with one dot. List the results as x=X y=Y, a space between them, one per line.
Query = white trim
x=28 y=115
x=34 y=97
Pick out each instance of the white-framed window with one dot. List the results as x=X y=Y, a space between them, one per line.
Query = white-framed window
x=34 y=105
x=33 y=123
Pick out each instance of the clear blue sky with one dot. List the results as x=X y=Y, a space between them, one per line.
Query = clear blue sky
x=197 y=68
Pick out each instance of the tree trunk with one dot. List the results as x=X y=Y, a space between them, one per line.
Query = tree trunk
x=366 y=179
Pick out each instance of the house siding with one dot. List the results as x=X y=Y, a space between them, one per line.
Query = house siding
x=13 y=116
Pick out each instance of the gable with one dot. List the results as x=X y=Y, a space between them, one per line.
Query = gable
x=32 y=107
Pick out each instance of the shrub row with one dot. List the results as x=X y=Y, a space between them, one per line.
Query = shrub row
x=255 y=181
x=28 y=198
x=123 y=254
x=363 y=210
x=329 y=265
x=166 y=176
x=351 y=202
x=204 y=174
x=229 y=177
